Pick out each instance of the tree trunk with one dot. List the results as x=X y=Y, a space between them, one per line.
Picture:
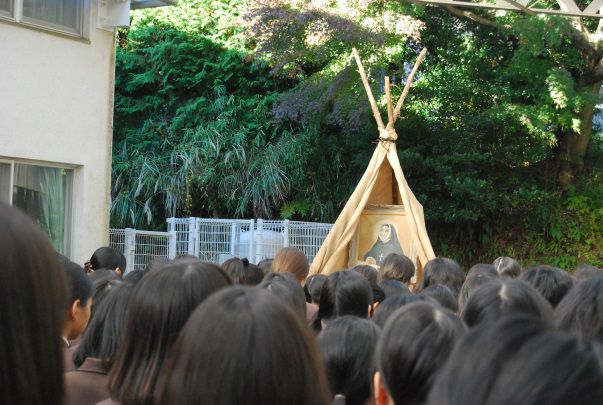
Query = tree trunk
x=573 y=145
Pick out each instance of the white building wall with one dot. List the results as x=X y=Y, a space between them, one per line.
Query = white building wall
x=56 y=106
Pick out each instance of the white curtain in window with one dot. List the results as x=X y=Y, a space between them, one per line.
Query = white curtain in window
x=5 y=182
x=42 y=192
x=65 y=13
x=6 y=5
x=52 y=188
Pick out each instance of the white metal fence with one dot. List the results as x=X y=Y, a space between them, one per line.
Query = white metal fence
x=140 y=247
x=216 y=240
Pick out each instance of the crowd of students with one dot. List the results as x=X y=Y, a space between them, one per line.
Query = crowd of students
x=189 y=332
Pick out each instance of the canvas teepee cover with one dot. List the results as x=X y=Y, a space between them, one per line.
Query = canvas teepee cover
x=383 y=183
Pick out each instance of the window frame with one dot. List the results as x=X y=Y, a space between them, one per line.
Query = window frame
x=69 y=198
x=11 y=179
x=82 y=30
x=11 y=11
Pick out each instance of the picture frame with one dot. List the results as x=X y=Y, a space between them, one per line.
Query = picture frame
x=370 y=243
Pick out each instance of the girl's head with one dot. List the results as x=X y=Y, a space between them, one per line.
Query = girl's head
x=159 y=307
x=472 y=283
x=553 y=283
x=286 y=287
x=581 y=310
x=105 y=331
x=414 y=345
x=443 y=270
x=241 y=271
x=519 y=360
x=345 y=293
x=507 y=267
x=313 y=287
x=33 y=298
x=347 y=346
x=500 y=297
x=397 y=267
x=291 y=260
x=244 y=345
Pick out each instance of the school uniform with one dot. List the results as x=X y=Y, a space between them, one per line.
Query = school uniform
x=68 y=351
x=88 y=384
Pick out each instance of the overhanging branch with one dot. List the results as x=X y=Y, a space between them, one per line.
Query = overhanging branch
x=581 y=40
x=580 y=37
x=472 y=16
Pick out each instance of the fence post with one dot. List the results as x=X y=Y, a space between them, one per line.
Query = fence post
x=171 y=244
x=197 y=236
x=233 y=238
x=192 y=235
x=251 y=241
x=130 y=248
x=260 y=244
x=286 y=239
x=171 y=222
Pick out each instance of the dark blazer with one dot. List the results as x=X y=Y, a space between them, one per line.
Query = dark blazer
x=87 y=384
x=68 y=350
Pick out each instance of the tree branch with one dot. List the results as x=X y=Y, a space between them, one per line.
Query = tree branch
x=472 y=16
x=597 y=74
x=580 y=37
x=597 y=36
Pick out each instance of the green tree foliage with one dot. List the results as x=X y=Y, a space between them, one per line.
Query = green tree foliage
x=253 y=108
x=192 y=128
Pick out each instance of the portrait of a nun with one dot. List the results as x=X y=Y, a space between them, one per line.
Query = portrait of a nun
x=386 y=243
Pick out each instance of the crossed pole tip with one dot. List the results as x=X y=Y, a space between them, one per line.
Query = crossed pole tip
x=393 y=114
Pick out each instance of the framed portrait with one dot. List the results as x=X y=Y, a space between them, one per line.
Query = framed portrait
x=380 y=231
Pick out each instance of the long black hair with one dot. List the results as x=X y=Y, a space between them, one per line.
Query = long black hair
x=33 y=298
x=396 y=267
x=105 y=331
x=414 y=345
x=241 y=271
x=286 y=287
x=159 y=307
x=347 y=348
x=244 y=346
x=499 y=297
x=552 y=282
x=391 y=287
x=519 y=360
x=581 y=310
x=443 y=270
x=390 y=305
x=313 y=287
x=442 y=295
x=345 y=293
x=472 y=283
x=108 y=258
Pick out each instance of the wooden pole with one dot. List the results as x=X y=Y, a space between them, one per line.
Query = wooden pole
x=407 y=88
x=390 y=107
x=367 y=88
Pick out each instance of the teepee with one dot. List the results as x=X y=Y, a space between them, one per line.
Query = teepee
x=382 y=203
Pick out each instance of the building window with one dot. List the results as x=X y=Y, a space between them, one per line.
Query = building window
x=42 y=192
x=65 y=16
x=59 y=14
x=6 y=7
